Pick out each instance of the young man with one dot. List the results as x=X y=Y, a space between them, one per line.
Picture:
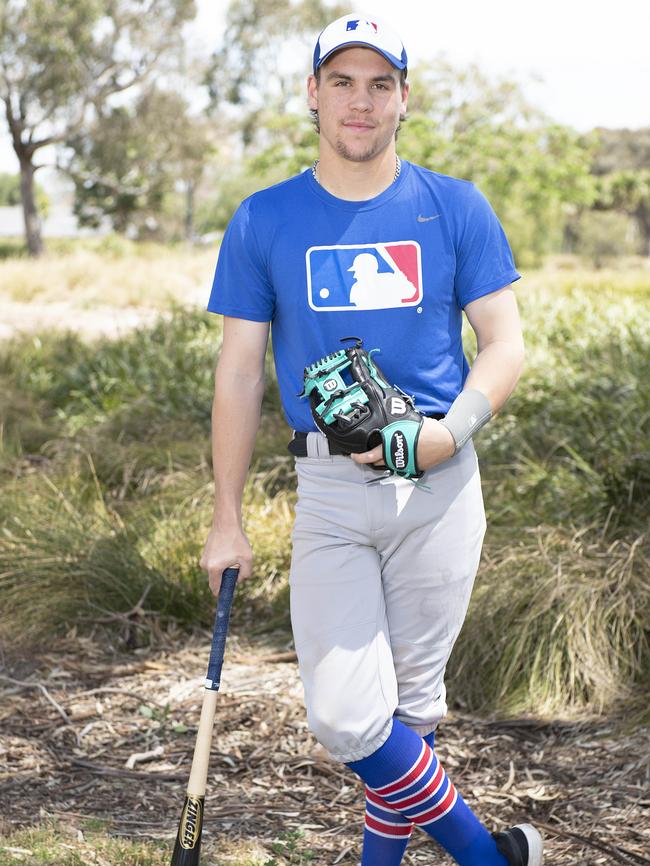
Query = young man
x=382 y=569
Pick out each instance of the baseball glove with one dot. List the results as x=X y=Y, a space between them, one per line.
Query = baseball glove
x=356 y=408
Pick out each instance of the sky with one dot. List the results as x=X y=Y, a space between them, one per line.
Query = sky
x=593 y=57
x=586 y=63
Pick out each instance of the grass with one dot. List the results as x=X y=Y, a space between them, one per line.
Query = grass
x=88 y=842
x=573 y=443
x=58 y=846
x=93 y=273
x=69 y=557
x=558 y=624
x=106 y=494
x=169 y=366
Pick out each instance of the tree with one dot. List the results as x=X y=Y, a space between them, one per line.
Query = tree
x=621 y=164
x=621 y=150
x=534 y=172
x=250 y=73
x=256 y=84
x=130 y=164
x=60 y=63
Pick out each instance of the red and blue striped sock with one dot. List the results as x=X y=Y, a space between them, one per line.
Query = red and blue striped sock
x=406 y=774
x=386 y=831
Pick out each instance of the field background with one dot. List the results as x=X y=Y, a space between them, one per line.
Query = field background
x=106 y=371
x=127 y=141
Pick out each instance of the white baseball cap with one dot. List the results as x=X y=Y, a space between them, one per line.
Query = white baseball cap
x=356 y=29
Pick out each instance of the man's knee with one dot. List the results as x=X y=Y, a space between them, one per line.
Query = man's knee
x=347 y=735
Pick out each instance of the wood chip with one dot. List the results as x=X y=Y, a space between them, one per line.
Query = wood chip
x=581 y=782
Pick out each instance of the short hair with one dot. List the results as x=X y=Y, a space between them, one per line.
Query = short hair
x=403 y=73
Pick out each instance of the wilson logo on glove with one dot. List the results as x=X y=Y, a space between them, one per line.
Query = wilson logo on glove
x=356 y=408
x=399 y=451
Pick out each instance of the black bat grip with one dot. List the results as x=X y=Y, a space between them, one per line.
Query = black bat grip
x=220 y=630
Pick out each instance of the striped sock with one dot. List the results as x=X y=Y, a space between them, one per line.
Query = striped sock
x=386 y=831
x=406 y=774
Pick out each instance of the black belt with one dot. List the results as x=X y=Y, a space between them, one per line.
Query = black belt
x=298 y=445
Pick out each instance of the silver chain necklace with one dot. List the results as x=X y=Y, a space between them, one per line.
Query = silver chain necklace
x=398 y=169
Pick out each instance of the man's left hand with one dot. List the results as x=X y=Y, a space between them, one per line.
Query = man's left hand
x=435 y=445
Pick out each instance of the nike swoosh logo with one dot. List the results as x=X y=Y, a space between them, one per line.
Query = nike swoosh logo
x=422 y=219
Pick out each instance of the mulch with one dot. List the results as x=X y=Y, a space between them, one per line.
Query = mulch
x=90 y=733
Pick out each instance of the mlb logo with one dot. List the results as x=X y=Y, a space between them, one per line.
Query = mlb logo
x=364 y=277
x=353 y=25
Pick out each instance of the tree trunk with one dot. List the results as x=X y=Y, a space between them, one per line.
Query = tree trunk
x=189 y=211
x=30 y=211
x=642 y=215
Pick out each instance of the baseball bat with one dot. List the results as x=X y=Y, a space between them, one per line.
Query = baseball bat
x=190 y=827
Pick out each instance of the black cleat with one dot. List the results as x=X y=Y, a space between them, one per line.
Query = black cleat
x=522 y=845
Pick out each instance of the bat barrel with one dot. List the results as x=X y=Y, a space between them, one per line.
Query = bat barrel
x=187 y=850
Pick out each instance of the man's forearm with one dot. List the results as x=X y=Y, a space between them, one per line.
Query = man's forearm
x=236 y=413
x=496 y=370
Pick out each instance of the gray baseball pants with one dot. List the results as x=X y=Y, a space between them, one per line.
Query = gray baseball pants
x=381 y=576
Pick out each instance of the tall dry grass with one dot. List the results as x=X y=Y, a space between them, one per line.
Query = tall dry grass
x=111 y=272
x=558 y=624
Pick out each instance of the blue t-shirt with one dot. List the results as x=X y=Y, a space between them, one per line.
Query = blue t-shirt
x=395 y=270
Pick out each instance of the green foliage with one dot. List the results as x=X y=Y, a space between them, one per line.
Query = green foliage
x=600 y=236
x=68 y=557
x=128 y=165
x=9 y=189
x=290 y=849
x=11 y=248
x=10 y=193
x=60 y=55
x=628 y=192
x=293 y=146
x=113 y=245
x=54 y=40
x=234 y=185
x=77 y=551
x=167 y=369
x=621 y=150
x=84 y=841
x=560 y=613
x=625 y=190
x=248 y=69
x=107 y=493
x=620 y=165
x=533 y=172
x=579 y=421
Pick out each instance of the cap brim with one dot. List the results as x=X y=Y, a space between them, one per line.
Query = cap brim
x=398 y=63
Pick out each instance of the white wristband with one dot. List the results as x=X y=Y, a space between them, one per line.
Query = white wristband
x=469 y=412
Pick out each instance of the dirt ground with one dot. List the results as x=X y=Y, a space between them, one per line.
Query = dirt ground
x=87 y=733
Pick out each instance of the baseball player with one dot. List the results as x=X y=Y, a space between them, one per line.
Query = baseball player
x=382 y=567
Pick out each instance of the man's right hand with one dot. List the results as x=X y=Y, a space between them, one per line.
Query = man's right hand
x=223 y=549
